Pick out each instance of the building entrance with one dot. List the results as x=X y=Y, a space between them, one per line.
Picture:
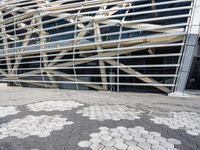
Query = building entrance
x=194 y=78
x=193 y=84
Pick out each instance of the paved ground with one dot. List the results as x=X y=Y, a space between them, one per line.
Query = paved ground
x=82 y=120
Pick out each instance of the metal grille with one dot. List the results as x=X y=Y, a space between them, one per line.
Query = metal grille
x=118 y=45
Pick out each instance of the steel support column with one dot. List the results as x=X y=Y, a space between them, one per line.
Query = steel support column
x=189 y=51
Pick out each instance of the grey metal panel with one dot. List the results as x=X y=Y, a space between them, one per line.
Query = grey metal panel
x=190 y=48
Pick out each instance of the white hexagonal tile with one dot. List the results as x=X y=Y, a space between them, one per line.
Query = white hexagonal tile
x=41 y=126
x=84 y=144
x=107 y=112
x=53 y=106
x=188 y=121
x=121 y=146
x=134 y=148
x=8 y=110
x=132 y=141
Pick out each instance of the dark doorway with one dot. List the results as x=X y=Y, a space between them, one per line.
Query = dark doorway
x=194 y=78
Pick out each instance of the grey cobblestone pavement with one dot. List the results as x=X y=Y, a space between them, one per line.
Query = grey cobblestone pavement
x=39 y=119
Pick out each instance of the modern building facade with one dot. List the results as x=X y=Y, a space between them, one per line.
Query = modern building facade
x=116 y=45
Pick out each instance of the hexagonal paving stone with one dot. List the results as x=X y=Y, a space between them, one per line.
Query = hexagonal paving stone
x=121 y=146
x=8 y=110
x=53 y=106
x=134 y=148
x=41 y=126
x=188 y=121
x=106 y=137
x=109 y=141
x=107 y=112
x=84 y=144
x=96 y=140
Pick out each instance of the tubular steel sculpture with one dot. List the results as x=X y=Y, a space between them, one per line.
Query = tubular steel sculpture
x=118 y=45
